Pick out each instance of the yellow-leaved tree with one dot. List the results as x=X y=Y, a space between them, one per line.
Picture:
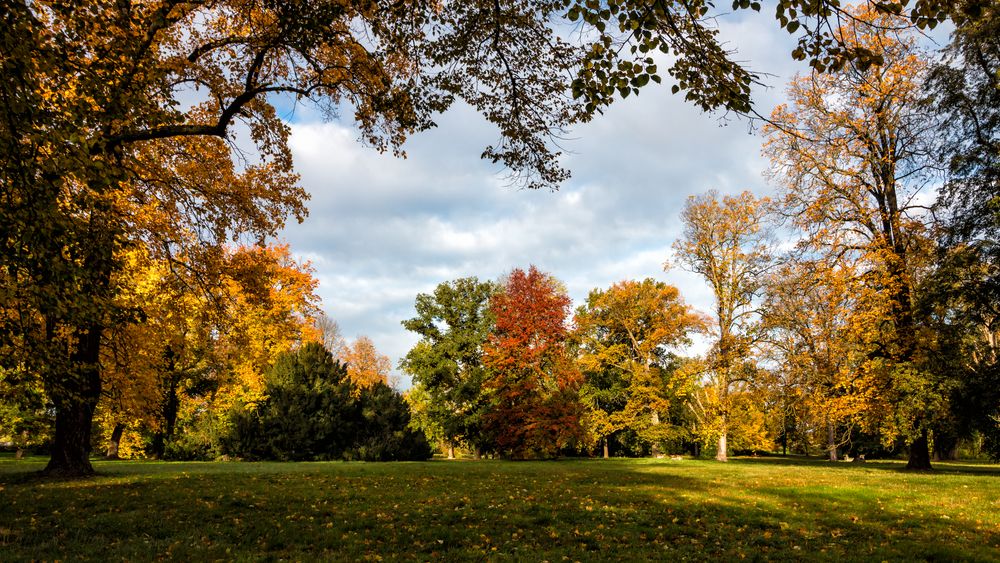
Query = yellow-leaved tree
x=725 y=241
x=627 y=333
x=850 y=154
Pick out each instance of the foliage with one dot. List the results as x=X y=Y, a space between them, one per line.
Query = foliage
x=806 y=321
x=447 y=363
x=366 y=366
x=626 y=333
x=532 y=381
x=25 y=420
x=311 y=410
x=725 y=242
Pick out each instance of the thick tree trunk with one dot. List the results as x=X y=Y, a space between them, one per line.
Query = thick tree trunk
x=451 y=450
x=920 y=456
x=606 y=456
x=721 y=454
x=75 y=403
x=945 y=447
x=116 y=438
x=831 y=441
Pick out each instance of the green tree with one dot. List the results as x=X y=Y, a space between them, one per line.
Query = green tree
x=963 y=296
x=447 y=363
x=311 y=410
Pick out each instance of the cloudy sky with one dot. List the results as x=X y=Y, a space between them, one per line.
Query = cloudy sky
x=382 y=229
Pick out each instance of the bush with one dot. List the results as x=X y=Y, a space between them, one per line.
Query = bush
x=313 y=412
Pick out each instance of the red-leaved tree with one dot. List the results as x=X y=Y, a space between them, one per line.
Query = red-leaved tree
x=535 y=407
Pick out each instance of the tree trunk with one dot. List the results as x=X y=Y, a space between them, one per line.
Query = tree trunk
x=606 y=448
x=831 y=441
x=654 y=419
x=19 y=453
x=169 y=403
x=451 y=450
x=116 y=438
x=75 y=402
x=721 y=454
x=920 y=456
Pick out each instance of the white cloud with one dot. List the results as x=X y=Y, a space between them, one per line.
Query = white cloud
x=382 y=229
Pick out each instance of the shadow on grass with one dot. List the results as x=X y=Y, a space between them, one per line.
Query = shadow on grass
x=898 y=466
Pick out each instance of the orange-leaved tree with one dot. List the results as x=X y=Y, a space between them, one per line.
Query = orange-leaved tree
x=806 y=320
x=533 y=380
x=197 y=352
x=851 y=154
x=366 y=366
x=626 y=333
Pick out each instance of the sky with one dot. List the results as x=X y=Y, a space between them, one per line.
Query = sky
x=382 y=229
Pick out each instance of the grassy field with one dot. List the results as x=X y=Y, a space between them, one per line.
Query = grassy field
x=763 y=508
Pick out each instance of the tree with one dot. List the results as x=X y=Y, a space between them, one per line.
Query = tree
x=330 y=335
x=311 y=410
x=628 y=329
x=724 y=241
x=806 y=321
x=964 y=292
x=532 y=381
x=851 y=154
x=366 y=366
x=447 y=363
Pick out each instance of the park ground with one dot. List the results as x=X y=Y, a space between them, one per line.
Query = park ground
x=568 y=510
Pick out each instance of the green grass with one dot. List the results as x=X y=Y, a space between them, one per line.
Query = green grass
x=767 y=509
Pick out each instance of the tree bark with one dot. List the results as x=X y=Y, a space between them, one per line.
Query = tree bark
x=75 y=404
x=920 y=456
x=654 y=419
x=451 y=450
x=831 y=441
x=606 y=448
x=721 y=454
x=116 y=438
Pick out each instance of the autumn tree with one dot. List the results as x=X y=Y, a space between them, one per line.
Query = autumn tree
x=724 y=240
x=447 y=363
x=805 y=322
x=850 y=153
x=532 y=381
x=198 y=350
x=366 y=366
x=626 y=334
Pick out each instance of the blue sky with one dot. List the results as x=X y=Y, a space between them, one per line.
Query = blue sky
x=383 y=229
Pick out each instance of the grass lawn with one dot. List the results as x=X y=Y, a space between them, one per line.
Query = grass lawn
x=767 y=508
